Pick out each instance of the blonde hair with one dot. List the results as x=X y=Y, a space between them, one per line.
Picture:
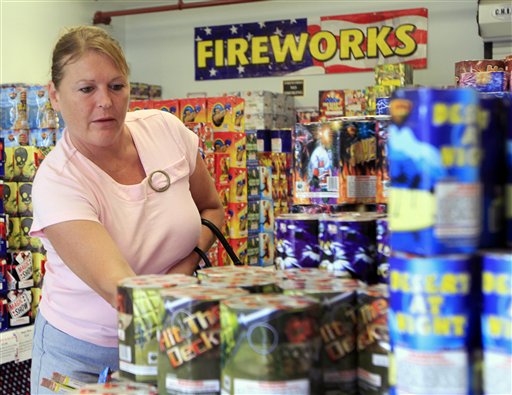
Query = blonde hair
x=78 y=40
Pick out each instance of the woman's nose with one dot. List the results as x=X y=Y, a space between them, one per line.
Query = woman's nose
x=104 y=100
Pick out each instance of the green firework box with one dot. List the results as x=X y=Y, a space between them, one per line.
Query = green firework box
x=139 y=306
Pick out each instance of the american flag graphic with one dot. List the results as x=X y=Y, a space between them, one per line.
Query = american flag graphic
x=263 y=49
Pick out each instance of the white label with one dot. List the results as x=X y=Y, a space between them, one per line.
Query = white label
x=138 y=369
x=191 y=386
x=457 y=210
x=253 y=387
x=427 y=373
x=497 y=369
x=380 y=360
x=371 y=378
x=125 y=352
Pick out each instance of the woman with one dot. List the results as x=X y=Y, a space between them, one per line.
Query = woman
x=120 y=195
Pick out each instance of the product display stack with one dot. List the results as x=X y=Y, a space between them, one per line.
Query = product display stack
x=450 y=267
x=29 y=128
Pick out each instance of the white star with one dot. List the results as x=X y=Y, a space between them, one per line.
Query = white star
x=199 y=38
x=262 y=24
x=240 y=69
x=208 y=31
x=293 y=21
x=213 y=72
x=278 y=32
x=233 y=29
x=249 y=36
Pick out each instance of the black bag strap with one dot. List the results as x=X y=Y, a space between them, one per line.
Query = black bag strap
x=234 y=258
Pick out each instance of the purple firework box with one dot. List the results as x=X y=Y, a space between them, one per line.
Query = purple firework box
x=485 y=81
x=296 y=241
x=383 y=249
x=348 y=245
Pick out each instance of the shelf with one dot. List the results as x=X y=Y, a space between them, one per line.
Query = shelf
x=16 y=344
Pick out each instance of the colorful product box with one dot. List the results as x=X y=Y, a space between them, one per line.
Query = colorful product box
x=239 y=246
x=253 y=249
x=41 y=114
x=170 y=105
x=281 y=141
x=22 y=269
x=192 y=109
x=15 y=137
x=136 y=105
x=222 y=166
x=19 y=305
x=237 y=185
x=265 y=182
x=355 y=102
x=13 y=107
x=259 y=121
x=237 y=214
x=14 y=234
x=10 y=198
x=331 y=104
x=485 y=81
x=25 y=199
x=266 y=213
x=206 y=136
x=472 y=66
x=266 y=249
x=234 y=143
x=42 y=137
x=397 y=74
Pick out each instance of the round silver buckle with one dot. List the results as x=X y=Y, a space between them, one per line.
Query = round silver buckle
x=164 y=187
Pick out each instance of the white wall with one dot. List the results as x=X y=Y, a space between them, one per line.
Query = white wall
x=160 y=46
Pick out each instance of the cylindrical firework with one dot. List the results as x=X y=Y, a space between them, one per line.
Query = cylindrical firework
x=348 y=245
x=434 y=156
x=189 y=356
x=337 y=329
x=508 y=188
x=434 y=323
x=296 y=240
x=121 y=388
x=139 y=308
x=270 y=345
x=254 y=283
x=229 y=271
x=372 y=339
x=493 y=125
x=497 y=322
x=383 y=249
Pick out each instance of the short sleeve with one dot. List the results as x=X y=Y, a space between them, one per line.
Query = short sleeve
x=58 y=197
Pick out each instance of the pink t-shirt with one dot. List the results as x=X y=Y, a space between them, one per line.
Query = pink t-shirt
x=152 y=229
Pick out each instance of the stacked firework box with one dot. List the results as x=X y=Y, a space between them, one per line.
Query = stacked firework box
x=30 y=128
x=447 y=221
x=140 y=91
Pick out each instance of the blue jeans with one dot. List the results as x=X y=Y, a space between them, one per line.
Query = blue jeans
x=56 y=351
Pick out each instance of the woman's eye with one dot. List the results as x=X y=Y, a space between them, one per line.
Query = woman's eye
x=86 y=89
x=116 y=87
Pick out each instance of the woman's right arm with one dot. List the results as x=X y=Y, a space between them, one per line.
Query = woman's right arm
x=89 y=252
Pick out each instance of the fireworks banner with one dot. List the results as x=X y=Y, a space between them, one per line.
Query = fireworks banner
x=306 y=46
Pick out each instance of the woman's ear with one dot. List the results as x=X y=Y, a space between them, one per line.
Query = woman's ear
x=53 y=95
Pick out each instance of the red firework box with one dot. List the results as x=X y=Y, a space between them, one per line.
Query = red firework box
x=223 y=191
x=239 y=246
x=237 y=120
x=218 y=113
x=237 y=217
x=474 y=66
x=213 y=254
x=204 y=131
x=222 y=257
x=169 y=105
x=136 y=105
x=237 y=185
x=222 y=166
x=331 y=104
x=234 y=143
x=209 y=160
x=193 y=109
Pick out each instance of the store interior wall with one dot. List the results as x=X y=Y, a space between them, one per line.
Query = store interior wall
x=160 y=46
